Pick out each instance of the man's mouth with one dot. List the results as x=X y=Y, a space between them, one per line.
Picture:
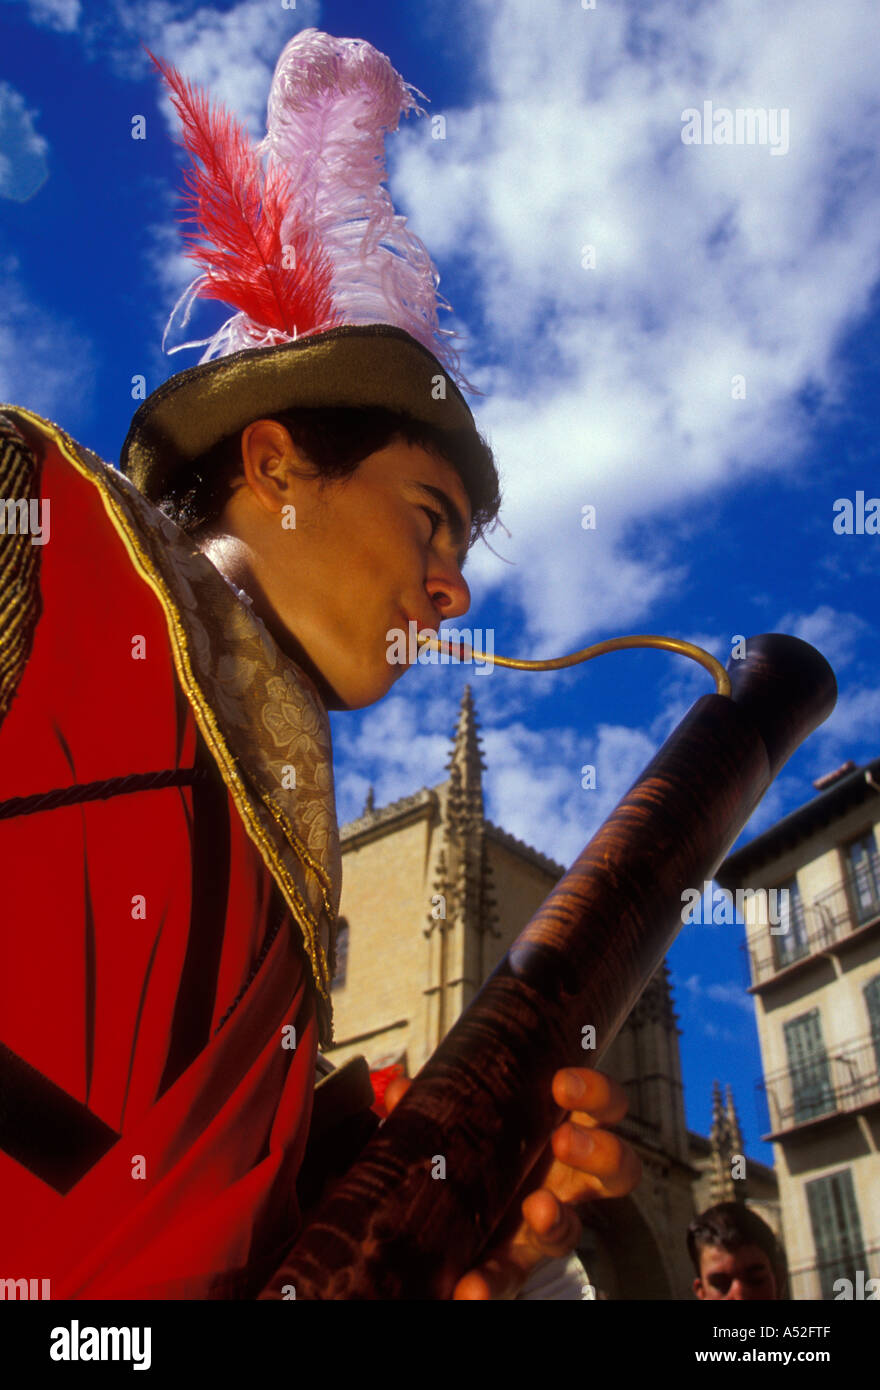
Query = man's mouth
x=432 y=627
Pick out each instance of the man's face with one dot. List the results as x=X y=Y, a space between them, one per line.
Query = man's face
x=365 y=557
x=742 y=1274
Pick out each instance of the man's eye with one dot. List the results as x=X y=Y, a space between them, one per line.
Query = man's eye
x=436 y=519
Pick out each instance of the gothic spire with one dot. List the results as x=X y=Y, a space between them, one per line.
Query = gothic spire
x=716 y=1133
x=733 y=1123
x=726 y=1149
x=466 y=760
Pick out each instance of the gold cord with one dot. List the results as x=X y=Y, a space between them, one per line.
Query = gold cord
x=612 y=644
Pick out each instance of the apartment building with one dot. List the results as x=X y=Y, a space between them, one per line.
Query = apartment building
x=815 y=977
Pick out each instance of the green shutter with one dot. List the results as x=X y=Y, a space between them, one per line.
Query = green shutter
x=812 y=1092
x=872 y=1000
x=791 y=940
x=837 y=1230
x=864 y=877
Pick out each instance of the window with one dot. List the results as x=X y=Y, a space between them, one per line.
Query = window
x=812 y=1092
x=863 y=871
x=837 y=1230
x=872 y=1003
x=790 y=934
x=341 y=954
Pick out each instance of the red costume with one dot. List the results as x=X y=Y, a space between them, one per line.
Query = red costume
x=150 y=966
x=169 y=915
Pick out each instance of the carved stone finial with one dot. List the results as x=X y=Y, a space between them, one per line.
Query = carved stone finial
x=726 y=1146
x=733 y=1123
x=467 y=756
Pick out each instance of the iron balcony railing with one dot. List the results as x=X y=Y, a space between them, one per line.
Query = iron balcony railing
x=822 y=1278
x=846 y=907
x=838 y=1081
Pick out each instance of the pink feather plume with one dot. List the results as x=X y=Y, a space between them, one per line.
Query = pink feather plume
x=267 y=265
x=319 y=203
x=331 y=103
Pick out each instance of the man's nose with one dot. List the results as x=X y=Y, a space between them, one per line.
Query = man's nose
x=449 y=592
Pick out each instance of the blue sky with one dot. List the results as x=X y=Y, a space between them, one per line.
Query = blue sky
x=608 y=385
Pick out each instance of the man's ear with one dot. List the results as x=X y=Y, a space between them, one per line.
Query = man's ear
x=698 y=1288
x=270 y=462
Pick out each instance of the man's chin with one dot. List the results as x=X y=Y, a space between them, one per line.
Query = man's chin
x=358 y=689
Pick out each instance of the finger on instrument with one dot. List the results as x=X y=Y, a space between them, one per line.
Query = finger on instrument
x=593 y=1094
x=609 y=1162
x=554 y=1226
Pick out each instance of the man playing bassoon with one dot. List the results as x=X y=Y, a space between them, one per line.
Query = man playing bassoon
x=167 y=665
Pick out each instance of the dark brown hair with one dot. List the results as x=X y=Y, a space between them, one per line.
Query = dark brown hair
x=335 y=441
x=730 y=1225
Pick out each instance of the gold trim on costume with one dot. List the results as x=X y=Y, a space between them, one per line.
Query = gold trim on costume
x=20 y=603
x=260 y=695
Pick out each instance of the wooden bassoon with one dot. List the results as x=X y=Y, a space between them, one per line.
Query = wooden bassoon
x=393 y=1227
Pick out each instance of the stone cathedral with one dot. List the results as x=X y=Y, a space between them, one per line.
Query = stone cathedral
x=433 y=895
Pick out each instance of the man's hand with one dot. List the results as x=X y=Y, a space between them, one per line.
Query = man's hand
x=581 y=1162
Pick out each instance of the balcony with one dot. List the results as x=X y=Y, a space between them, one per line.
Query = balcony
x=840 y=1082
x=817 y=1279
x=838 y=918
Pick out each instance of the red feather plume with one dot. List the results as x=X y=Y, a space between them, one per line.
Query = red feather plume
x=238 y=211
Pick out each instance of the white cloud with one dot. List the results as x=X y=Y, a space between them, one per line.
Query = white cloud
x=230 y=53
x=613 y=385
x=854 y=723
x=23 y=167
x=387 y=746
x=172 y=272
x=724 y=1035
x=728 y=993
x=61 y=15
x=731 y=994
x=833 y=633
x=45 y=364
x=533 y=784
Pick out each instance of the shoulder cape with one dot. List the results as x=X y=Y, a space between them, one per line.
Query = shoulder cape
x=259 y=714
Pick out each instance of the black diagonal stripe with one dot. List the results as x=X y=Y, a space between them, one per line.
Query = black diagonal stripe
x=210 y=895
x=140 y=1010
x=89 y=967
x=44 y=1128
x=97 y=791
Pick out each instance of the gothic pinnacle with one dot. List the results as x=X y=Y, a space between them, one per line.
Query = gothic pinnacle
x=467 y=756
